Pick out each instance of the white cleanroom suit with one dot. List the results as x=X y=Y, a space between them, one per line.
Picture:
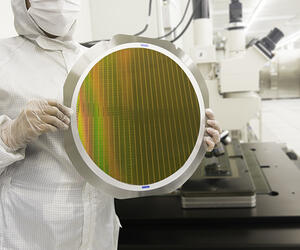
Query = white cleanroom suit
x=45 y=204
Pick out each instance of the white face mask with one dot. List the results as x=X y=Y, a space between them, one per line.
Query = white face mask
x=56 y=17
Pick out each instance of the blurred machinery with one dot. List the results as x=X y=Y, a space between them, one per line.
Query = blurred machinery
x=232 y=74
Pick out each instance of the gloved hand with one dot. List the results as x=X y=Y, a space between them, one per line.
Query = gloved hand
x=213 y=131
x=38 y=117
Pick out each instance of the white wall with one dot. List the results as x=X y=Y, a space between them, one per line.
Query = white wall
x=110 y=17
x=188 y=38
x=84 y=23
x=6 y=20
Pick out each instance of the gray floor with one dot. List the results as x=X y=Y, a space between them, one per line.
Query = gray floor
x=281 y=122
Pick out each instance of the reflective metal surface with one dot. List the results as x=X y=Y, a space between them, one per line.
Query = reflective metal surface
x=140 y=117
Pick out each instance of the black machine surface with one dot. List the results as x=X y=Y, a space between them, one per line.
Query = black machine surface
x=161 y=222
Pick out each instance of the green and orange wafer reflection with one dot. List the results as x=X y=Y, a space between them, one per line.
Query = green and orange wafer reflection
x=138 y=116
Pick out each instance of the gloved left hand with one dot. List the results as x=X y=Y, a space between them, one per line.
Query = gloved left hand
x=38 y=117
x=213 y=131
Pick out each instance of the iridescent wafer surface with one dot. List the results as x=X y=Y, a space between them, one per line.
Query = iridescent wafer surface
x=138 y=116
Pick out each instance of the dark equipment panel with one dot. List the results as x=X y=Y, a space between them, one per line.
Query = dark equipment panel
x=161 y=223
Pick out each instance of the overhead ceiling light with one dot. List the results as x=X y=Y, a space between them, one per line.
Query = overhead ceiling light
x=255 y=13
x=290 y=39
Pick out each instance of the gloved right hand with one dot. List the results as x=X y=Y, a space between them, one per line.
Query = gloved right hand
x=38 y=117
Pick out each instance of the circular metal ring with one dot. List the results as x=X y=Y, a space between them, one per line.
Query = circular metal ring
x=77 y=90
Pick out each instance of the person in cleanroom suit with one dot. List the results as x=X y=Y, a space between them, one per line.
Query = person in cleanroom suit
x=45 y=203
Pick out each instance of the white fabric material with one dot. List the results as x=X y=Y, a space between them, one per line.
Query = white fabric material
x=56 y=17
x=45 y=203
x=6 y=156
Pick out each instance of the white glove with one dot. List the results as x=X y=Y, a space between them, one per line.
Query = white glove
x=38 y=117
x=213 y=131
